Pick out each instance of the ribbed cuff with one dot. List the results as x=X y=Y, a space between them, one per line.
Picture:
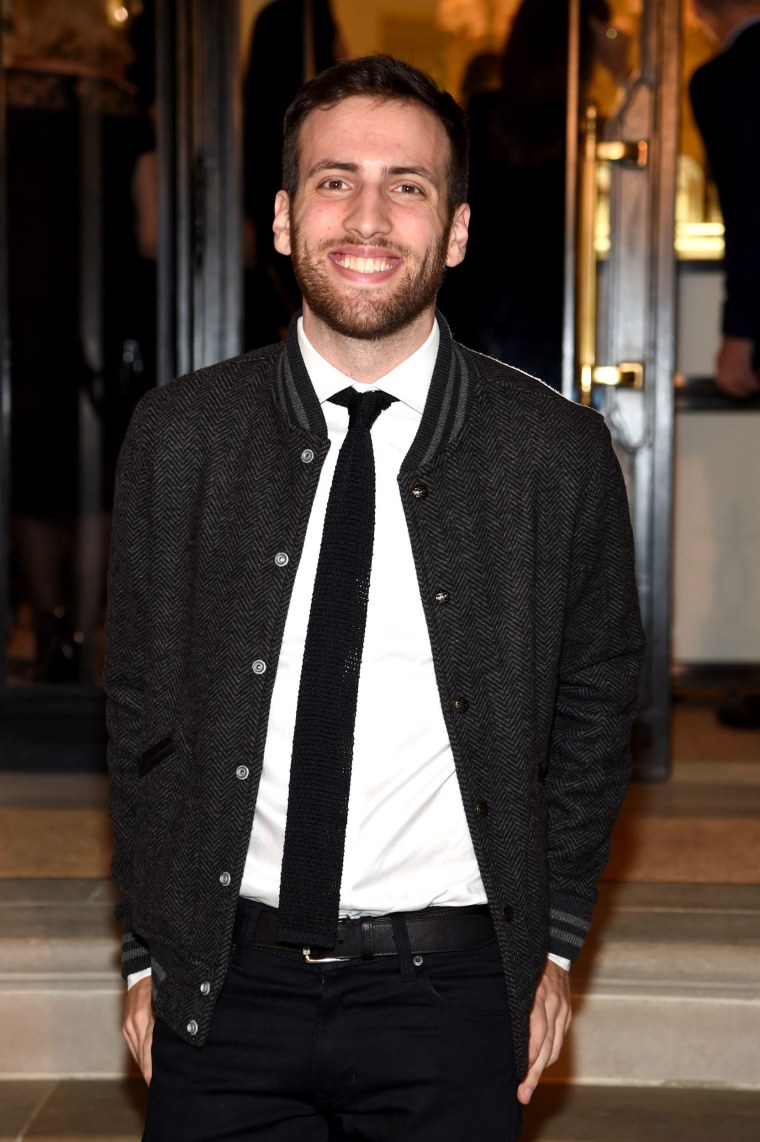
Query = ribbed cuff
x=135 y=957
x=569 y=920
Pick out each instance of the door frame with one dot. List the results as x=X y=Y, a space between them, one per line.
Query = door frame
x=652 y=506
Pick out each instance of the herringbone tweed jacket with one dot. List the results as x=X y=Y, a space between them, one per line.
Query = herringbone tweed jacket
x=516 y=508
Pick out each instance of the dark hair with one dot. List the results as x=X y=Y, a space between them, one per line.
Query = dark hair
x=380 y=77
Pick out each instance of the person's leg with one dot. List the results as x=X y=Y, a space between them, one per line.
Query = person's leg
x=432 y=1058
x=252 y=1078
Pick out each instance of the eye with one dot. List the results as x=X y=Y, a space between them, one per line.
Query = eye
x=332 y=183
x=408 y=188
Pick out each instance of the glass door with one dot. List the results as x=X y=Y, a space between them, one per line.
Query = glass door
x=624 y=312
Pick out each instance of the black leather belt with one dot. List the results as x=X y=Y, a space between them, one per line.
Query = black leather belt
x=432 y=930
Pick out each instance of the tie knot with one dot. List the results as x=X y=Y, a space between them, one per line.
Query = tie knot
x=363 y=408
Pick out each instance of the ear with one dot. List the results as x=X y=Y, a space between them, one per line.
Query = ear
x=281 y=223
x=458 y=235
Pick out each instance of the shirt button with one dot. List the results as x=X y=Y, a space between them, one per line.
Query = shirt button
x=442 y=598
x=242 y=772
x=192 y=1027
x=419 y=491
x=460 y=705
x=508 y=913
x=307 y=455
x=225 y=879
x=205 y=987
x=259 y=666
x=282 y=559
x=481 y=809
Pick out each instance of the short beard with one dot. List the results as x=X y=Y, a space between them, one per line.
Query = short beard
x=368 y=318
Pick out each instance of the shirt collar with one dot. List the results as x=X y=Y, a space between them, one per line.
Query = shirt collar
x=409 y=382
x=733 y=36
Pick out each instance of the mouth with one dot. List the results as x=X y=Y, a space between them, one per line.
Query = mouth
x=374 y=267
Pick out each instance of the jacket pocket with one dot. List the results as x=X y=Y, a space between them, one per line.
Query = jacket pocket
x=154 y=755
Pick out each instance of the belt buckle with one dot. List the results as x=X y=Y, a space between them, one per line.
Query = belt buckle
x=306 y=952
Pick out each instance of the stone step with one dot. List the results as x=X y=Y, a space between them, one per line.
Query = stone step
x=668 y=990
x=112 y=1111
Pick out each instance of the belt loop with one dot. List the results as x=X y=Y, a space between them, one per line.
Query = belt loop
x=403 y=947
x=366 y=938
x=246 y=919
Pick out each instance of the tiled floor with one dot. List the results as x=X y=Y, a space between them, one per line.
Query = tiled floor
x=74 y=1111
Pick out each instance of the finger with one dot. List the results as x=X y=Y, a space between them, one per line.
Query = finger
x=131 y=1041
x=531 y=1080
x=146 y=1054
x=539 y=1026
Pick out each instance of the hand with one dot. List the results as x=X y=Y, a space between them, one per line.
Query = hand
x=549 y=1021
x=137 y=1027
x=734 y=374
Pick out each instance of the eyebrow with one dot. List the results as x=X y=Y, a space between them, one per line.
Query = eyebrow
x=352 y=168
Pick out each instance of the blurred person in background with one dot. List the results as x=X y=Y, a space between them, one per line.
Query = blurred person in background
x=292 y=40
x=725 y=95
x=508 y=301
x=75 y=217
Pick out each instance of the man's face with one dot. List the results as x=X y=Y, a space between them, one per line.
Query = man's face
x=369 y=229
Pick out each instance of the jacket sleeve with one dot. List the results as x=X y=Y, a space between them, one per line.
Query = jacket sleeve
x=124 y=664
x=724 y=100
x=596 y=702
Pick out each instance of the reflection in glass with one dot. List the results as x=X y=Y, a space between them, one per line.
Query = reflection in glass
x=81 y=250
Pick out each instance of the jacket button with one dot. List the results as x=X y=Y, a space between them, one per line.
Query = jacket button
x=419 y=491
x=481 y=809
x=282 y=559
x=442 y=598
x=307 y=455
x=460 y=705
x=242 y=772
x=205 y=987
x=259 y=666
x=507 y=913
x=192 y=1027
x=225 y=879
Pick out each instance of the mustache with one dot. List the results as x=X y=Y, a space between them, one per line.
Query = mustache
x=328 y=244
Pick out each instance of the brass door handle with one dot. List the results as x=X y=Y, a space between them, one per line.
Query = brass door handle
x=628 y=374
x=617 y=151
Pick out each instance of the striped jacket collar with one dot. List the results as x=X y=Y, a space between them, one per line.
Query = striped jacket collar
x=445 y=409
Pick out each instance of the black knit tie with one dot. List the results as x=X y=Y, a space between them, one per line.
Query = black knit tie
x=323 y=740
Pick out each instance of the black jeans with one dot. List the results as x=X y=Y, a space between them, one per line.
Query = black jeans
x=304 y=1052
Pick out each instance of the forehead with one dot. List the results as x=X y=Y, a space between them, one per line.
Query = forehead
x=366 y=131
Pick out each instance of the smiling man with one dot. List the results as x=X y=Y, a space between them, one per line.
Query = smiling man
x=373 y=645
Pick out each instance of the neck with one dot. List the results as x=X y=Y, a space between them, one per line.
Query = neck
x=367 y=360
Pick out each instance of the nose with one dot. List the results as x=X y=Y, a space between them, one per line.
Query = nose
x=368 y=214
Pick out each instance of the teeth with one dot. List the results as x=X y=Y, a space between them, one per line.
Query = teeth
x=364 y=265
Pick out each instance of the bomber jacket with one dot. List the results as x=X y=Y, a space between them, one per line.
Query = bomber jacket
x=517 y=515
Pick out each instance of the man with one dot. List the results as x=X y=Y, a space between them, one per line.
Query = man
x=475 y=678
x=725 y=95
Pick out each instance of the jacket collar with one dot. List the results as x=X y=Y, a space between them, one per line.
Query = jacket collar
x=445 y=409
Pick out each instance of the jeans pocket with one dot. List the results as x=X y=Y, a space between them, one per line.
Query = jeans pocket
x=468 y=983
